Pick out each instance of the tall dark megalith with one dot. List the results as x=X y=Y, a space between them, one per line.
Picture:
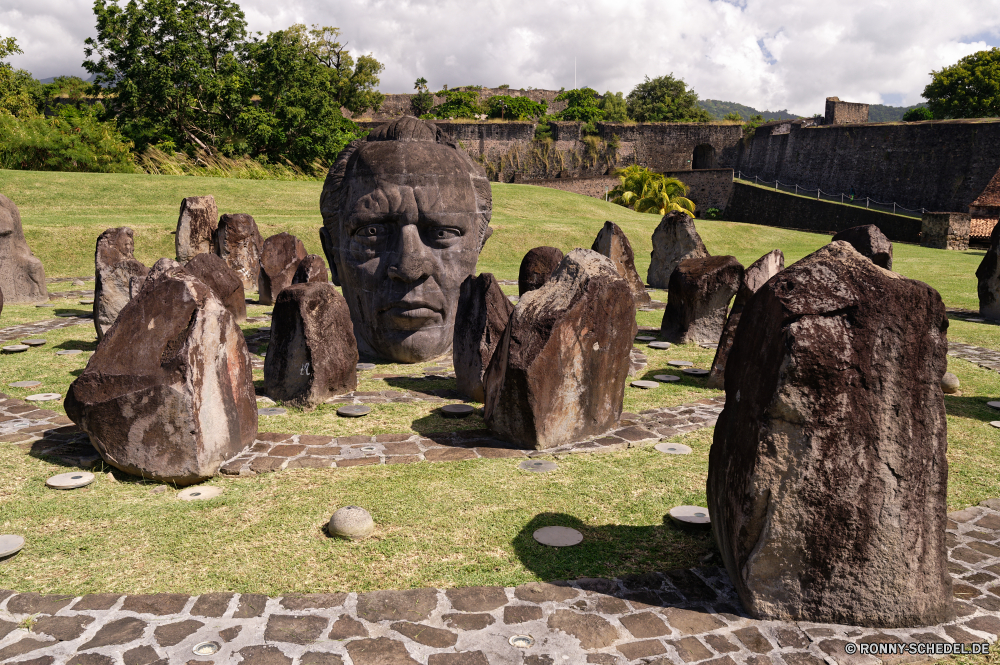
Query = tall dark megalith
x=675 y=239
x=988 y=276
x=22 y=277
x=115 y=270
x=483 y=313
x=827 y=478
x=612 y=242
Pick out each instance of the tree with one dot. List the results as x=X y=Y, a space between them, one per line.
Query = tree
x=968 y=89
x=665 y=99
x=16 y=85
x=733 y=117
x=646 y=191
x=581 y=105
x=918 y=113
x=423 y=101
x=458 y=104
x=613 y=106
x=515 y=108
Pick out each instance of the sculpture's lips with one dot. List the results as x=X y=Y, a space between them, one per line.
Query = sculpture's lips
x=411 y=315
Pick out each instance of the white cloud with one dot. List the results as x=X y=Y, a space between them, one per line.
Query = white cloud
x=858 y=50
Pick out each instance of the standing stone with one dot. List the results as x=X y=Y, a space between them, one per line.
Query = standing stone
x=238 y=242
x=168 y=394
x=612 y=242
x=312 y=354
x=558 y=374
x=22 y=277
x=869 y=241
x=197 y=222
x=988 y=274
x=674 y=240
x=699 y=294
x=483 y=312
x=279 y=259
x=311 y=269
x=536 y=266
x=754 y=277
x=223 y=280
x=115 y=268
x=827 y=478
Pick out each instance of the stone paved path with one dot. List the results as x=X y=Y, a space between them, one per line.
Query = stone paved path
x=28 y=330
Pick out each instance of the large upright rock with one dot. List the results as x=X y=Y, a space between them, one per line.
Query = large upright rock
x=197 y=222
x=988 y=274
x=869 y=241
x=536 y=266
x=237 y=241
x=674 y=240
x=22 y=277
x=279 y=260
x=312 y=354
x=699 y=294
x=612 y=242
x=754 y=277
x=311 y=269
x=558 y=374
x=115 y=268
x=483 y=312
x=223 y=280
x=168 y=394
x=827 y=478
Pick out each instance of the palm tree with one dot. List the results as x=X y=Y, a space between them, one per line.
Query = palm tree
x=646 y=191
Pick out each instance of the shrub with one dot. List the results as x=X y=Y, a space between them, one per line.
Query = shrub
x=515 y=108
x=918 y=113
x=713 y=213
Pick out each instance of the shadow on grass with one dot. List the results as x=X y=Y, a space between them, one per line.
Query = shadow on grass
x=971 y=407
x=631 y=553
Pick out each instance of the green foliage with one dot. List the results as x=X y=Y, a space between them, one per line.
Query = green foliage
x=719 y=110
x=918 y=113
x=883 y=113
x=515 y=108
x=353 y=84
x=582 y=105
x=423 y=101
x=713 y=213
x=18 y=95
x=543 y=131
x=751 y=125
x=614 y=107
x=732 y=117
x=458 y=104
x=645 y=191
x=968 y=89
x=589 y=129
x=665 y=99
x=72 y=140
x=504 y=86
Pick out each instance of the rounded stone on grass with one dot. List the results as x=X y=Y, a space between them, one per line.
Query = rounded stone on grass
x=659 y=345
x=457 y=410
x=353 y=411
x=690 y=515
x=645 y=385
x=558 y=536
x=950 y=383
x=680 y=363
x=10 y=545
x=272 y=411
x=71 y=480
x=673 y=448
x=666 y=378
x=43 y=397
x=199 y=493
x=24 y=384
x=537 y=465
x=34 y=342
x=16 y=348
x=351 y=522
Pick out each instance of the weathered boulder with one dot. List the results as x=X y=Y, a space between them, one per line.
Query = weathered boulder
x=312 y=354
x=827 y=478
x=197 y=222
x=22 y=277
x=558 y=374
x=168 y=394
x=238 y=242
x=674 y=240
x=483 y=312
x=754 y=277
x=279 y=259
x=699 y=294
x=115 y=268
x=612 y=242
x=536 y=266
x=988 y=274
x=223 y=280
x=311 y=269
x=869 y=241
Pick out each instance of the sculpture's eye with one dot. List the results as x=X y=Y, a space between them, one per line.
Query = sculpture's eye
x=370 y=232
x=442 y=233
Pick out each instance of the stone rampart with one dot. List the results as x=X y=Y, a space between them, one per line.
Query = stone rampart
x=750 y=204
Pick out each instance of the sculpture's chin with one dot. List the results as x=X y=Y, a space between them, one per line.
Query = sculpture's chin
x=409 y=346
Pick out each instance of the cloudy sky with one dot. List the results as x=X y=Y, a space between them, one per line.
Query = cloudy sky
x=766 y=54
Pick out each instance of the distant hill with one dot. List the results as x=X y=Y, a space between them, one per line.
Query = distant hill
x=719 y=109
x=882 y=113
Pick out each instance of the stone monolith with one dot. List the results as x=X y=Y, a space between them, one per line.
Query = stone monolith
x=22 y=277
x=674 y=240
x=988 y=275
x=223 y=280
x=238 y=242
x=115 y=268
x=536 y=266
x=869 y=241
x=311 y=269
x=698 y=298
x=483 y=312
x=279 y=259
x=198 y=220
x=612 y=242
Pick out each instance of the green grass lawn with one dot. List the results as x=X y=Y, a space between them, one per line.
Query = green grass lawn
x=446 y=524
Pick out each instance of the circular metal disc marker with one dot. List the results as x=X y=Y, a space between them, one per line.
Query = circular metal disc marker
x=659 y=345
x=690 y=515
x=43 y=397
x=976 y=320
x=272 y=411
x=645 y=338
x=680 y=363
x=70 y=481
x=995 y=423
x=995 y=405
x=457 y=410
x=522 y=641
x=666 y=378
x=558 y=536
x=673 y=448
x=694 y=371
x=16 y=348
x=206 y=648
x=47 y=305
x=645 y=385
x=199 y=493
x=25 y=384
x=69 y=352
x=538 y=465
x=364 y=367
x=33 y=342
x=353 y=411
x=10 y=545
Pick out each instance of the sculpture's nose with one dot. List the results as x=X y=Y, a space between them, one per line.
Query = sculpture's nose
x=412 y=261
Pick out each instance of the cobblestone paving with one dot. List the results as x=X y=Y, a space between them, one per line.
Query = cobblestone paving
x=674 y=617
x=978 y=355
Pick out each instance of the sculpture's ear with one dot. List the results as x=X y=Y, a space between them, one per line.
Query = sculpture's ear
x=330 y=249
x=486 y=236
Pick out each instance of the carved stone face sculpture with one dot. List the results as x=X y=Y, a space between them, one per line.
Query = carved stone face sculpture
x=405 y=215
